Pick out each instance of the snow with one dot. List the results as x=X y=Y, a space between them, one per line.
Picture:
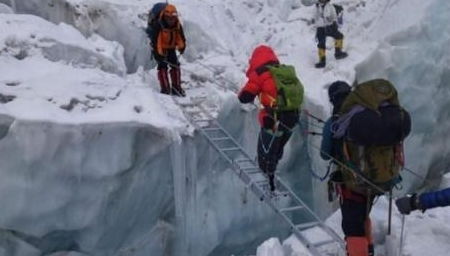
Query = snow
x=89 y=145
x=402 y=30
x=26 y=35
x=5 y=9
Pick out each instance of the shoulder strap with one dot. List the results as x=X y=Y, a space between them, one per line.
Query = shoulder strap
x=263 y=68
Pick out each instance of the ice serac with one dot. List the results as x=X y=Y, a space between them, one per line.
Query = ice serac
x=417 y=61
x=115 y=22
x=117 y=188
x=89 y=188
x=5 y=9
x=26 y=35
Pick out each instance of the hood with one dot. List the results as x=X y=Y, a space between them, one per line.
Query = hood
x=260 y=56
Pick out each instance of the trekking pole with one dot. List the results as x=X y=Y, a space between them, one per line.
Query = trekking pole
x=313 y=116
x=415 y=174
x=390 y=213
x=400 y=249
x=354 y=172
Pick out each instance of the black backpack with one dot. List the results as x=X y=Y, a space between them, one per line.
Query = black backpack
x=153 y=17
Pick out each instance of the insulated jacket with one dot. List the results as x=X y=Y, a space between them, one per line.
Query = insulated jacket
x=325 y=15
x=260 y=81
x=167 y=38
x=435 y=199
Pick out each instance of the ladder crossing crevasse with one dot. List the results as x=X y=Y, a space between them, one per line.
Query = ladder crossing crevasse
x=248 y=171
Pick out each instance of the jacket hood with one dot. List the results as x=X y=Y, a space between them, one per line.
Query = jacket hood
x=260 y=56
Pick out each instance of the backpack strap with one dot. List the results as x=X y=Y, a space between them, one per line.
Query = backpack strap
x=264 y=68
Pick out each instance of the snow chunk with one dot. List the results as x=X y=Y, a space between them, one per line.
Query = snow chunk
x=271 y=247
x=5 y=9
x=27 y=35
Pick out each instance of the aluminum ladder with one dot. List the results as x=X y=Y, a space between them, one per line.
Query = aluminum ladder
x=248 y=171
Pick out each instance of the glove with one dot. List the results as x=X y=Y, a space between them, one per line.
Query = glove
x=157 y=57
x=182 y=50
x=407 y=204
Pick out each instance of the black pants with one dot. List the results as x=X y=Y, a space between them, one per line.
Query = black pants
x=323 y=32
x=271 y=142
x=355 y=214
x=170 y=58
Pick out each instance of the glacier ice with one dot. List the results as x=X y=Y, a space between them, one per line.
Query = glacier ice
x=122 y=187
x=123 y=182
x=113 y=22
x=5 y=9
x=417 y=61
x=27 y=35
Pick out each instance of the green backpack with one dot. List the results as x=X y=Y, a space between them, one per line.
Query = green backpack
x=289 y=87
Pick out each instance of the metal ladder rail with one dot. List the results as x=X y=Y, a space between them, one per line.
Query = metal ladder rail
x=320 y=223
x=258 y=190
x=240 y=171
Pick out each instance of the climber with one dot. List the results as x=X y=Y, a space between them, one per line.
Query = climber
x=423 y=201
x=166 y=36
x=363 y=139
x=325 y=20
x=280 y=94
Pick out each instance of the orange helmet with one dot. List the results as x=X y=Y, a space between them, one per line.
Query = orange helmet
x=170 y=11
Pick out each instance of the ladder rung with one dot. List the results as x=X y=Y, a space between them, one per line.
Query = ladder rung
x=230 y=149
x=293 y=208
x=259 y=182
x=187 y=104
x=202 y=120
x=243 y=160
x=193 y=111
x=249 y=168
x=220 y=139
x=255 y=172
x=321 y=243
x=211 y=129
x=307 y=225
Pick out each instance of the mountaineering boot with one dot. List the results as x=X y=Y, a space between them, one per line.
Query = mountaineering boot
x=164 y=81
x=338 y=53
x=357 y=246
x=175 y=76
x=322 y=59
x=371 y=250
x=272 y=182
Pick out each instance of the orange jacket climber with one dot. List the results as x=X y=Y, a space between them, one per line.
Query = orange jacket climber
x=168 y=36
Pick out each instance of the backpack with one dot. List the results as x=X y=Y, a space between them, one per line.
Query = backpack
x=289 y=88
x=340 y=14
x=373 y=126
x=153 y=17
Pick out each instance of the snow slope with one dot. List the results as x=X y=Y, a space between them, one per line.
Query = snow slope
x=130 y=175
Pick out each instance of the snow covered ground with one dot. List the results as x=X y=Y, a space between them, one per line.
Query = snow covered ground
x=82 y=115
x=424 y=233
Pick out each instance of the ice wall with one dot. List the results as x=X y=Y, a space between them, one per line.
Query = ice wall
x=417 y=61
x=113 y=22
x=83 y=179
x=127 y=189
x=5 y=9
x=29 y=36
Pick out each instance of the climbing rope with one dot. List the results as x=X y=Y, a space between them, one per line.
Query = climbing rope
x=402 y=236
